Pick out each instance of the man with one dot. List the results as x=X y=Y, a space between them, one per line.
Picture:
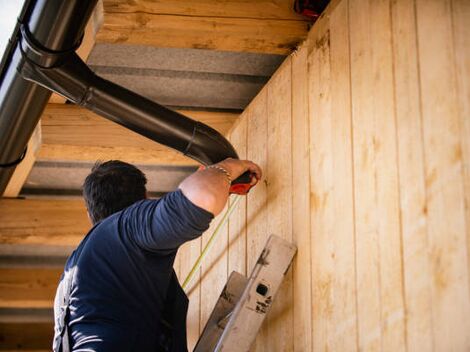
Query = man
x=124 y=295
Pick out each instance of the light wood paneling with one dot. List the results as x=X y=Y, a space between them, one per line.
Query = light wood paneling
x=301 y=204
x=445 y=203
x=253 y=26
x=387 y=152
x=257 y=215
x=237 y=222
x=28 y=287
x=414 y=228
x=342 y=335
x=363 y=136
x=213 y=269
x=43 y=222
x=187 y=256
x=72 y=133
x=279 y=178
x=367 y=243
x=378 y=245
x=461 y=48
x=333 y=245
x=260 y=9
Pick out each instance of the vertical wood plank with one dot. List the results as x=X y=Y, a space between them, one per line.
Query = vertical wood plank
x=187 y=256
x=213 y=269
x=417 y=269
x=257 y=220
x=319 y=119
x=237 y=221
x=387 y=196
x=444 y=181
x=343 y=324
x=301 y=203
x=461 y=36
x=367 y=253
x=333 y=252
x=279 y=178
x=378 y=237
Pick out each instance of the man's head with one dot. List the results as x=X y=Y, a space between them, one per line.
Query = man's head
x=112 y=186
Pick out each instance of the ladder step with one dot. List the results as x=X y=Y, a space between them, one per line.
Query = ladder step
x=223 y=309
x=243 y=304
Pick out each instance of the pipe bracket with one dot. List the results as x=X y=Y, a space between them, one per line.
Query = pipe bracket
x=41 y=56
x=17 y=161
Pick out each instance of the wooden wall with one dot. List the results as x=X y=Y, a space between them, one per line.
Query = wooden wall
x=364 y=138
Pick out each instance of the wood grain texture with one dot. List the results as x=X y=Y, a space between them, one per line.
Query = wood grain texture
x=28 y=287
x=302 y=275
x=257 y=215
x=260 y=9
x=74 y=133
x=237 y=222
x=367 y=242
x=333 y=241
x=187 y=256
x=43 y=222
x=378 y=238
x=414 y=219
x=214 y=268
x=461 y=47
x=24 y=168
x=133 y=155
x=388 y=179
x=445 y=201
x=203 y=32
x=343 y=335
x=279 y=177
x=318 y=67
x=366 y=157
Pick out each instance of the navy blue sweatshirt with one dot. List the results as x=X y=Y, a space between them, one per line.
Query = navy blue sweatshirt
x=125 y=268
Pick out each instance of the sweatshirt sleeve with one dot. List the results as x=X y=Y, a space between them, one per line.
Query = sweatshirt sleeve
x=166 y=223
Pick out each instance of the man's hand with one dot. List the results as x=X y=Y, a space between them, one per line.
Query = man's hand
x=237 y=168
x=209 y=188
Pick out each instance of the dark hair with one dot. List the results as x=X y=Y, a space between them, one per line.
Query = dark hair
x=112 y=186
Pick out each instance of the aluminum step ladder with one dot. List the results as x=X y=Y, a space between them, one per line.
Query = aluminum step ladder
x=244 y=303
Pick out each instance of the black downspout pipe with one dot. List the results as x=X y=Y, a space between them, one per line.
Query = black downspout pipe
x=57 y=25
x=70 y=77
x=52 y=65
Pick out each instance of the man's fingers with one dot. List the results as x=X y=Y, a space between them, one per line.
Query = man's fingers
x=238 y=167
x=254 y=181
x=254 y=169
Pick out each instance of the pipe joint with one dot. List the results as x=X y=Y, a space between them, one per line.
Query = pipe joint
x=41 y=56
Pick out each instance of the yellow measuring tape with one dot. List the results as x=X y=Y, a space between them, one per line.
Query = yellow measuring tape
x=208 y=246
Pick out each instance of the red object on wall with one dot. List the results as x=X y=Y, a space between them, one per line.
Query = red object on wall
x=310 y=8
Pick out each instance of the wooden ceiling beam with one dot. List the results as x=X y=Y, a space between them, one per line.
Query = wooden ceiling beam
x=259 y=9
x=24 y=168
x=238 y=25
x=42 y=222
x=72 y=133
x=22 y=336
x=26 y=288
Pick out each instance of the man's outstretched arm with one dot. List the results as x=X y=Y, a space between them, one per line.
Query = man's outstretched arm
x=209 y=188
